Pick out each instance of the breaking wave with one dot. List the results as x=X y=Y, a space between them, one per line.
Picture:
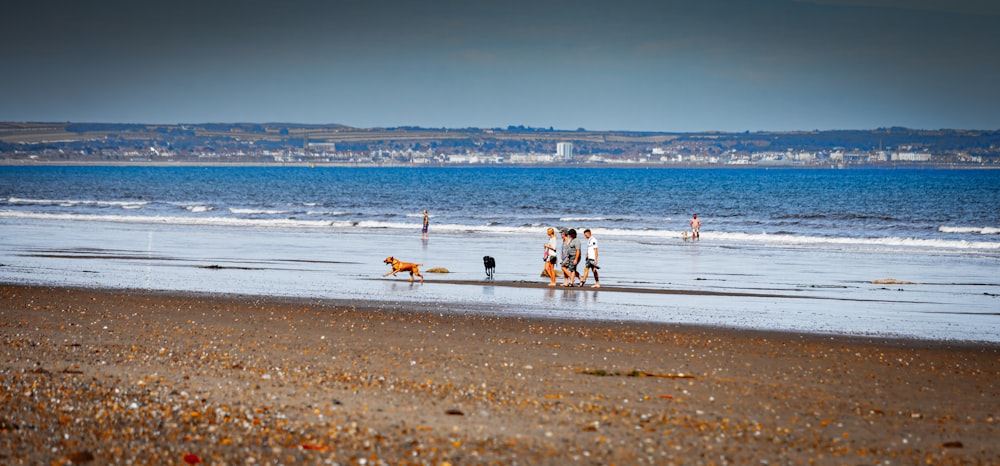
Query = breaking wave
x=970 y=230
x=493 y=228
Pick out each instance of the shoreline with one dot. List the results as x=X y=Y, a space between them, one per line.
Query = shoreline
x=108 y=375
x=639 y=290
x=602 y=165
x=708 y=286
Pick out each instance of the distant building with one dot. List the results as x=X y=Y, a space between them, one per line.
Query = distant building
x=532 y=158
x=911 y=157
x=564 y=151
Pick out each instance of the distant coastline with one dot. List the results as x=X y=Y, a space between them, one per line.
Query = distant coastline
x=896 y=166
x=286 y=144
x=17 y=163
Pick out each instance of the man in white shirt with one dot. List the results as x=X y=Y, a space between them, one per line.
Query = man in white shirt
x=591 y=260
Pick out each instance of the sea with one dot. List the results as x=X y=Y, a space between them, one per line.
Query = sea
x=904 y=253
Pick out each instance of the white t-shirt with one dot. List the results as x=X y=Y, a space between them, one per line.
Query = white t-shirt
x=553 y=251
x=592 y=248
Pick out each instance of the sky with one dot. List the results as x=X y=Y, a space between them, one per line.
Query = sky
x=624 y=65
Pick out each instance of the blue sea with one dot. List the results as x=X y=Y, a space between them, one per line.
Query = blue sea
x=780 y=249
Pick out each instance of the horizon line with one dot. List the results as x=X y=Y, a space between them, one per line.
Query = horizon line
x=521 y=127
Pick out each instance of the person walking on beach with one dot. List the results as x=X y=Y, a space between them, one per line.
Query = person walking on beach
x=550 y=256
x=572 y=259
x=562 y=247
x=562 y=251
x=591 y=260
x=695 y=227
x=427 y=221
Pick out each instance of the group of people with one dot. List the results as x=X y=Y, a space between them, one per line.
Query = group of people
x=570 y=254
x=569 y=257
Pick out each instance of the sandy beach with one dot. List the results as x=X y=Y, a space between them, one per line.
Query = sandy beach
x=126 y=377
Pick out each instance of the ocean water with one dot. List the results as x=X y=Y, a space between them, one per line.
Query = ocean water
x=785 y=249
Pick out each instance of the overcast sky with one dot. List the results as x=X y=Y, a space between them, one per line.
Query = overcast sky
x=653 y=65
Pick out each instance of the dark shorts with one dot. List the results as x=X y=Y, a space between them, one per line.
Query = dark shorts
x=569 y=265
x=552 y=260
x=591 y=265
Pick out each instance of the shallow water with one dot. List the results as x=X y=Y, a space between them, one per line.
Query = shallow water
x=953 y=295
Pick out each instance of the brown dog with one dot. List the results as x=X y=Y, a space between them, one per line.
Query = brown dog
x=400 y=266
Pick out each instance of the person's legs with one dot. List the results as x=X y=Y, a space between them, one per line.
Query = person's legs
x=567 y=274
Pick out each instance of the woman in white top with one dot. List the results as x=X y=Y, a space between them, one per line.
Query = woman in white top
x=551 y=256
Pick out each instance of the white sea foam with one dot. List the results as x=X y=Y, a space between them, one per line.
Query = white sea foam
x=373 y=224
x=717 y=237
x=802 y=240
x=257 y=211
x=328 y=213
x=883 y=242
x=78 y=202
x=171 y=220
x=585 y=220
x=974 y=230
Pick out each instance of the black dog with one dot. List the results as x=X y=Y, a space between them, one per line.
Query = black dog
x=490 y=265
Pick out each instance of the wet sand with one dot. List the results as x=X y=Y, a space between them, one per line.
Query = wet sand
x=635 y=289
x=112 y=376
